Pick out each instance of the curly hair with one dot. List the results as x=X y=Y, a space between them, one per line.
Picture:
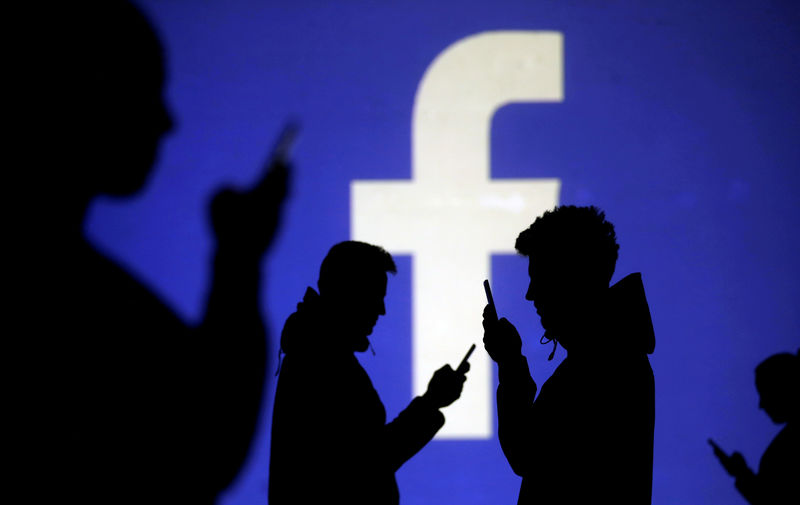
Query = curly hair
x=571 y=233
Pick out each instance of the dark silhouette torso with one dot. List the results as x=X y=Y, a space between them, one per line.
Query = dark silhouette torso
x=137 y=409
x=593 y=433
x=588 y=436
x=776 y=481
x=330 y=440
x=136 y=406
x=779 y=467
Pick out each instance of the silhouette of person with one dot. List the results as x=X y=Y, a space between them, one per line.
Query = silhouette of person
x=588 y=436
x=330 y=439
x=137 y=405
x=778 y=385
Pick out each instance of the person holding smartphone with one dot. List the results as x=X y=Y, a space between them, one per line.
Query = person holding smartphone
x=778 y=385
x=330 y=439
x=588 y=436
x=124 y=400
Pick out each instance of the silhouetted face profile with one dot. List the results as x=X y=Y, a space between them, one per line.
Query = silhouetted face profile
x=117 y=115
x=777 y=385
x=571 y=253
x=353 y=284
x=361 y=307
x=564 y=298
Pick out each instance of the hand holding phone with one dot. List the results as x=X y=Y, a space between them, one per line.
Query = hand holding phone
x=445 y=386
x=500 y=339
x=247 y=219
x=734 y=463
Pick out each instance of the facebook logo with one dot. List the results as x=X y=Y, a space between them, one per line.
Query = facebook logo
x=451 y=216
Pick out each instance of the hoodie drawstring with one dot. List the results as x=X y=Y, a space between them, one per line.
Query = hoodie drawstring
x=547 y=341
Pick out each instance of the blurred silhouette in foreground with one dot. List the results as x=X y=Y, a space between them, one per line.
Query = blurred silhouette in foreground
x=778 y=385
x=588 y=436
x=139 y=407
x=330 y=439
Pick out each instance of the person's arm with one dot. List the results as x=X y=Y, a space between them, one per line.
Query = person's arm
x=326 y=430
x=415 y=426
x=736 y=466
x=409 y=432
x=516 y=416
x=515 y=394
x=748 y=485
x=230 y=344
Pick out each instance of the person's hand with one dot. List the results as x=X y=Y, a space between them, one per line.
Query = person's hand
x=246 y=221
x=736 y=465
x=500 y=338
x=445 y=386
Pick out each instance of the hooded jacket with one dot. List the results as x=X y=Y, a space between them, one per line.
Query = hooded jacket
x=330 y=440
x=588 y=436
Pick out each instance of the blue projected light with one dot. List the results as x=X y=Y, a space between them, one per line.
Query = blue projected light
x=457 y=123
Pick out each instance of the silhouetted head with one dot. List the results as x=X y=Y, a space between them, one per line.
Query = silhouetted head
x=572 y=252
x=778 y=385
x=352 y=284
x=113 y=114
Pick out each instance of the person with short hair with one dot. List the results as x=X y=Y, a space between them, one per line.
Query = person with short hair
x=778 y=385
x=330 y=439
x=588 y=436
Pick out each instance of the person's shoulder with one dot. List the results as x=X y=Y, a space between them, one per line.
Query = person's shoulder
x=118 y=314
x=780 y=464
x=104 y=281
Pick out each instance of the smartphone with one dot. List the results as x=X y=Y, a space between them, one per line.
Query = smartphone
x=283 y=146
x=490 y=299
x=463 y=364
x=717 y=450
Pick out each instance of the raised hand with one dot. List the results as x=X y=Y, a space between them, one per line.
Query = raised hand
x=500 y=337
x=246 y=221
x=735 y=464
